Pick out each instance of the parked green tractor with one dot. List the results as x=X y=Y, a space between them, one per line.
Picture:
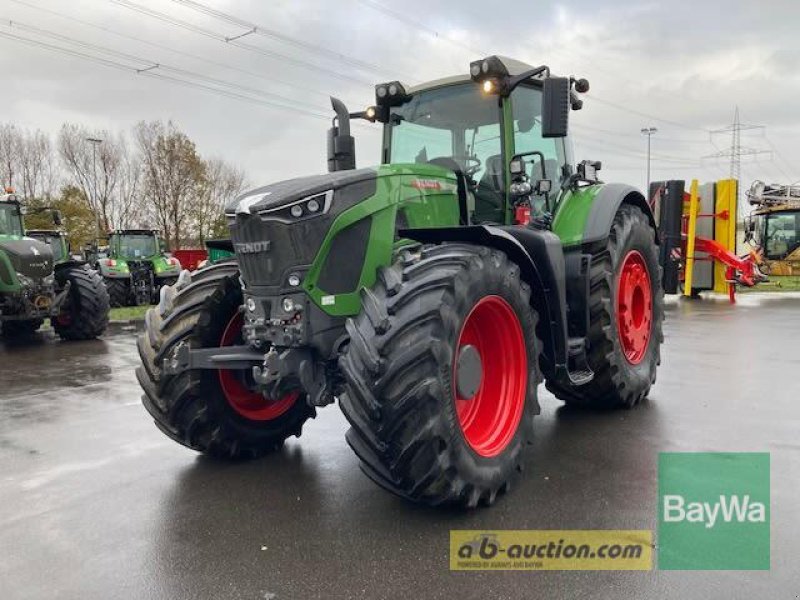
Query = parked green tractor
x=430 y=295
x=56 y=239
x=38 y=283
x=136 y=266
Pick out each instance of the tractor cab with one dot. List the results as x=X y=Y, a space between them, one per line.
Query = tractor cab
x=774 y=226
x=457 y=125
x=515 y=111
x=11 y=215
x=57 y=240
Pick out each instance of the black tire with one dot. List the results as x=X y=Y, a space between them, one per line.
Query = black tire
x=84 y=314
x=399 y=375
x=17 y=329
x=119 y=292
x=617 y=382
x=191 y=407
x=160 y=283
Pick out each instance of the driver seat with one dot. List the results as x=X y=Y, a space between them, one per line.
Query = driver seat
x=489 y=194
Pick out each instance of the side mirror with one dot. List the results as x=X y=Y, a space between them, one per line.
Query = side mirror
x=555 y=107
x=162 y=245
x=543 y=186
x=58 y=219
x=341 y=145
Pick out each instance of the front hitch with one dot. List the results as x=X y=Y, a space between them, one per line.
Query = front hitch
x=270 y=371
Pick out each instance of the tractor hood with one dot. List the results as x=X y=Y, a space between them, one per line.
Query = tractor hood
x=285 y=192
x=28 y=256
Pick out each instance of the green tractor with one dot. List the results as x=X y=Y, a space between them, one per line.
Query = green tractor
x=56 y=239
x=36 y=282
x=430 y=295
x=135 y=267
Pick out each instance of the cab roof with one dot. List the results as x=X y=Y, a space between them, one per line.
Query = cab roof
x=514 y=67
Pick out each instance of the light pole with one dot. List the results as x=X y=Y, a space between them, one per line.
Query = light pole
x=94 y=142
x=648 y=131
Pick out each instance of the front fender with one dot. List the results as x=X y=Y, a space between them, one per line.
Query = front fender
x=113 y=272
x=585 y=215
x=541 y=261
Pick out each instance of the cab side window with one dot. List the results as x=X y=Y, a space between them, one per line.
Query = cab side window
x=526 y=108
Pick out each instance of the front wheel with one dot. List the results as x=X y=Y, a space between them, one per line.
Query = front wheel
x=217 y=412
x=84 y=314
x=626 y=305
x=441 y=375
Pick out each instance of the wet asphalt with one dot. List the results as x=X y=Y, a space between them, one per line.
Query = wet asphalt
x=96 y=503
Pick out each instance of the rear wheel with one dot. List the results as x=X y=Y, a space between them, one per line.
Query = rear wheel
x=24 y=328
x=119 y=291
x=441 y=375
x=626 y=307
x=84 y=314
x=218 y=412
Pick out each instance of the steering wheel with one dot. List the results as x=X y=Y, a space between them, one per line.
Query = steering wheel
x=472 y=164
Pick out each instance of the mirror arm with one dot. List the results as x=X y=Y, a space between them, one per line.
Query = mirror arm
x=512 y=82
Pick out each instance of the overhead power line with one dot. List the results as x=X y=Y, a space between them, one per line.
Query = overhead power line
x=258 y=29
x=403 y=18
x=148 y=65
x=736 y=150
x=239 y=44
x=227 y=66
x=230 y=93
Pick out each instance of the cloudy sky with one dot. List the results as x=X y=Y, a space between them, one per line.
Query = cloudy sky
x=261 y=100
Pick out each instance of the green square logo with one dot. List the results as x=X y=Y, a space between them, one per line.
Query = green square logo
x=713 y=511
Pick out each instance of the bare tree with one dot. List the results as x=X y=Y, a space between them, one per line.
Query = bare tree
x=95 y=171
x=173 y=175
x=36 y=165
x=128 y=209
x=9 y=153
x=221 y=183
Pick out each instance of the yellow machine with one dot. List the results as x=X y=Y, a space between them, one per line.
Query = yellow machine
x=774 y=226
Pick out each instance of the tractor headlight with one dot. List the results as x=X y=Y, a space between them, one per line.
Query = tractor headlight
x=305 y=208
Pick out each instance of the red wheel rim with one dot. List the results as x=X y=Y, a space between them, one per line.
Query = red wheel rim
x=490 y=418
x=634 y=307
x=248 y=403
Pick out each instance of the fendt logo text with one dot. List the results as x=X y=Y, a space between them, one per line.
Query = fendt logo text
x=252 y=247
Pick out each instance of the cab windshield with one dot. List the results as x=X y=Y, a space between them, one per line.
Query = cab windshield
x=55 y=244
x=10 y=219
x=134 y=245
x=783 y=234
x=456 y=127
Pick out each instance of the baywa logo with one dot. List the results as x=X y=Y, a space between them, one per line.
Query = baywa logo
x=714 y=511
x=728 y=508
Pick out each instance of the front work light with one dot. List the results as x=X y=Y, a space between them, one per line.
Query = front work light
x=391 y=93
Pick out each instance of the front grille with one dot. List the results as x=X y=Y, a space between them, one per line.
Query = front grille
x=290 y=245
